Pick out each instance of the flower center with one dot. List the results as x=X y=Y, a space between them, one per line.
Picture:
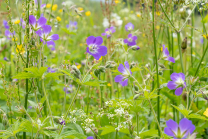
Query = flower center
x=180 y=82
x=130 y=39
x=93 y=48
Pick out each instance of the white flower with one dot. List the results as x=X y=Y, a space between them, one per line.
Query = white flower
x=88 y=130
x=119 y=111
x=115 y=21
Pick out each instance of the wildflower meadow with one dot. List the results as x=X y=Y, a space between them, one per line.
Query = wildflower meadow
x=103 y=69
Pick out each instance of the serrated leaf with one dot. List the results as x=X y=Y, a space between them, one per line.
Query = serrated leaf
x=107 y=130
x=197 y=116
x=87 y=78
x=149 y=133
x=182 y=110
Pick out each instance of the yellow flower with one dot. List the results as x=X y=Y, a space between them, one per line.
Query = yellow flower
x=17 y=21
x=88 y=13
x=80 y=9
x=54 y=7
x=79 y=66
x=48 y=5
x=14 y=39
x=157 y=27
x=132 y=12
x=77 y=16
x=58 y=18
x=20 y=49
x=206 y=113
x=161 y=49
x=205 y=36
x=138 y=15
x=143 y=35
x=61 y=10
x=108 y=84
x=80 y=44
x=158 y=13
x=116 y=1
x=100 y=58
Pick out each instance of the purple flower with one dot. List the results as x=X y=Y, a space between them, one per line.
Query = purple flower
x=6 y=24
x=14 y=80
x=46 y=38
x=72 y=25
x=61 y=122
x=51 y=70
x=30 y=107
x=6 y=59
x=202 y=40
x=95 y=48
x=131 y=40
x=37 y=24
x=126 y=72
x=90 y=137
x=166 y=55
x=178 y=83
x=108 y=32
x=68 y=89
x=9 y=34
x=180 y=131
x=129 y=26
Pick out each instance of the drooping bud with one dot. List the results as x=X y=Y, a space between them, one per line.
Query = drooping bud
x=5 y=121
x=135 y=47
x=21 y=109
x=136 y=96
x=184 y=44
x=110 y=64
x=132 y=64
x=75 y=71
x=99 y=70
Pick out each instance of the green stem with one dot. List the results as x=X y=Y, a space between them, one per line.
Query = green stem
x=166 y=15
x=180 y=52
x=155 y=48
x=201 y=59
x=192 y=34
x=45 y=94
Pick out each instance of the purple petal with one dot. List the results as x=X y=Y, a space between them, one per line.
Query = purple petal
x=168 y=132
x=32 y=20
x=165 y=51
x=118 y=78
x=102 y=50
x=107 y=29
x=103 y=34
x=186 y=126
x=182 y=75
x=46 y=29
x=171 y=85
x=54 y=37
x=171 y=59
x=179 y=91
x=130 y=35
x=97 y=56
x=174 y=76
x=108 y=36
x=90 y=40
x=50 y=43
x=122 y=69
x=172 y=125
x=125 y=82
x=126 y=41
x=134 y=38
x=98 y=40
x=42 y=21
x=127 y=66
x=90 y=137
x=132 y=43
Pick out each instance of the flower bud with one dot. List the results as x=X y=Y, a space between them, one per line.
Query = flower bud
x=75 y=71
x=136 y=88
x=184 y=44
x=110 y=64
x=136 y=96
x=5 y=121
x=21 y=109
x=132 y=64
x=38 y=108
x=135 y=47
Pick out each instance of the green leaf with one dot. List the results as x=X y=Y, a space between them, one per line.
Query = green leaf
x=197 y=116
x=107 y=130
x=32 y=72
x=149 y=133
x=87 y=78
x=182 y=110
x=95 y=83
x=205 y=19
x=53 y=75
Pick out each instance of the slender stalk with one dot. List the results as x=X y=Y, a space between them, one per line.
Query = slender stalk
x=158 y=85
x=167 y=16
x=192 y=34
x=180 y=52
x=49 y=108
x=137 y=119
x=201 y=59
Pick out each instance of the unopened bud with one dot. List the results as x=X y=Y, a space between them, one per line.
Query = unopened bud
x=21 y=109
x=135 y=47
x=184 y=44
x=75 y=71
x=110 y=64
x=136 y=96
